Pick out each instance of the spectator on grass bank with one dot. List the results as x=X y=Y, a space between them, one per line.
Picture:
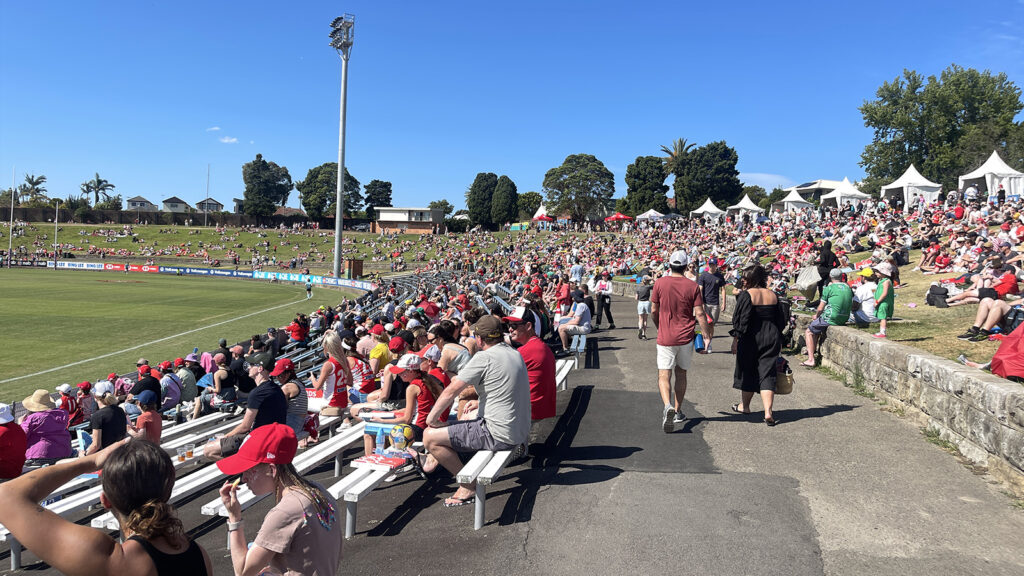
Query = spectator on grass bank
x=267 y=404
x=109 y=424
x=301 y=534
x=833 y=310
x=137 y=480
x=885 y=297
x=46 y=429
x=13 y=443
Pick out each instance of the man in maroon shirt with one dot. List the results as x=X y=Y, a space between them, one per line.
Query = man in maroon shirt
x=540 y=362
x=676 y=308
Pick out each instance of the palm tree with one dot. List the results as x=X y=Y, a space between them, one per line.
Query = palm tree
x=97 y=186
x=674 y=155
x=33 y=187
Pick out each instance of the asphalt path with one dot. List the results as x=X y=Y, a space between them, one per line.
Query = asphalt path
x=840 y=486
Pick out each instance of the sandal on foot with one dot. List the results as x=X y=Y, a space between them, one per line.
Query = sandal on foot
x=771 y=421
x=453 y=501
x=806 y=365
x=736 y=408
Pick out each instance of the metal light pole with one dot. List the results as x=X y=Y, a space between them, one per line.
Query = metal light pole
x=206 y=203
x=10 y=236
x=56 y=219
x=342 y=33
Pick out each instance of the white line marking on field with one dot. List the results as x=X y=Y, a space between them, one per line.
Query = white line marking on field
x=185 y=333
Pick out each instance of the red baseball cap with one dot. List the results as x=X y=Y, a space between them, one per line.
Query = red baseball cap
x=377 y=330
x=282 y=366
x=84 y=386
x=179 y=362
x=269 y=444
x=155 y=374
x=165 y=365
x=112 y=376
x=397 y=343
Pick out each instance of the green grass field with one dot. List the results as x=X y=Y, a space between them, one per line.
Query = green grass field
x=55 y=318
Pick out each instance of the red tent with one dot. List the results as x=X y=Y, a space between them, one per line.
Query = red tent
x=544 y=218
x=617 y=216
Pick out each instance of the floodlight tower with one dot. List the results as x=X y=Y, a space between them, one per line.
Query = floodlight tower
x=342 y=34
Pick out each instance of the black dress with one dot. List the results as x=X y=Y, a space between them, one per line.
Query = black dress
x=759 y=330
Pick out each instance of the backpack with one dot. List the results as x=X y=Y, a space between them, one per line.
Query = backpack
x=937 y=296
x=1013 y=319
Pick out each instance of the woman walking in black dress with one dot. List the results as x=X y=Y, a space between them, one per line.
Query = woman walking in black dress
x=757 y=340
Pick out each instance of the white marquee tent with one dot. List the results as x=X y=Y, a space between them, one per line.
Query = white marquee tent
x=708 y=208
x=541 y=211
x=792 y=201
x=651 y=214
x=909 y=185
x=991 y=174
x=846 y=191
x=745 y=205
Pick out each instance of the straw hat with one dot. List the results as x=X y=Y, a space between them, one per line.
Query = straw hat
x=39 y=401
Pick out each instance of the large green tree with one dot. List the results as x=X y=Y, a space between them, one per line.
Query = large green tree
x=319 y=191
x=945 y=125
x=32 y=191
x=111 y=203
x=97 y=187
x=378 y=194
x=709 y=172
x=442 y=205
x=505 y=201
x=581 y=187
x=529 y=202
x=645 y=186
x=478 y=198
x=267 y=186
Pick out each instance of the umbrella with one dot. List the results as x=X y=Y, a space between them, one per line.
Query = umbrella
x=544 y=218
x=616 y=217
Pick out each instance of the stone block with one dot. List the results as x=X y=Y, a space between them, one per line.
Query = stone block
x=982 y=429
x=1012 y=448
x=1015 y=407
x=998 y=397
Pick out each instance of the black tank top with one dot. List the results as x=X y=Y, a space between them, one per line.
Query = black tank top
x=188 y=562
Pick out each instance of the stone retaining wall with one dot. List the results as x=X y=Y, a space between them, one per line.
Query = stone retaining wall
x=980 y=413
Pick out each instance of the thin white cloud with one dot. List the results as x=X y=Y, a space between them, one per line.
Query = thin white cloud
x=213 y=129
x=228 y=139
x=765 y=180
x=252 y=141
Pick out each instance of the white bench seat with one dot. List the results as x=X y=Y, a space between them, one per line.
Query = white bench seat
x=483 y=468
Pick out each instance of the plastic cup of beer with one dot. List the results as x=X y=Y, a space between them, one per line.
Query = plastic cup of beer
x=181 y=454
x=189 y=449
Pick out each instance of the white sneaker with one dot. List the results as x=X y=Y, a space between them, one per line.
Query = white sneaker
x=667 y=417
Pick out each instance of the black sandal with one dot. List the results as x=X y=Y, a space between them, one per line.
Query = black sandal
x=771 y=421
x=736 y=408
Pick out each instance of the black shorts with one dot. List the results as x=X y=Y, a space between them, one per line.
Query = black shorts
x=987 y=293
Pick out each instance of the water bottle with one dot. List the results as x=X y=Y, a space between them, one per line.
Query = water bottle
x=698 y=343
x=196 y=351
x=381 y=441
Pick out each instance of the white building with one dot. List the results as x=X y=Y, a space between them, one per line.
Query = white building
x=421 y=220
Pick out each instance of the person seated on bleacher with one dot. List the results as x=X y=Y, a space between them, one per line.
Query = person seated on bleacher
x=576 y=323
x=273 y=341
x=69 y=404
x=421 y=391
x=540 y=362
x=267 y=405
x=149 y=379
x=137 y=481
x=222 y=391
x=453 y=354
x=236 y=364
x=501 y=379
x=13 y=443
x=170 y=386
x=46 y=429
x=334 y=379
x=189 y=391
x=301 y=533
x=86 y=403
x=109 y=424
x=294 y=392
x=380 y=355
x=298 y=330
x=363 y=382
x=149 y=425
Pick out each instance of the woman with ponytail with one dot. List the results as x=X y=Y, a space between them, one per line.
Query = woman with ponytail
x=137 y=480
x=335 y=378
x=421 y=393
x=301 y=533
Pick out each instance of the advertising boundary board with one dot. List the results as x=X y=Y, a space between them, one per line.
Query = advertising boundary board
x=192 y=271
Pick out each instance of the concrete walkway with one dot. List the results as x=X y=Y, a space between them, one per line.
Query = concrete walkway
x=839 y=487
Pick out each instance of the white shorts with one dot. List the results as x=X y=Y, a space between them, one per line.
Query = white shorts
x=643 y=307
x=675 y=356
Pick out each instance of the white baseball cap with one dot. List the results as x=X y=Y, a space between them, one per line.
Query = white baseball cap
x=410 y=361
x=519 y=314
x=678 y=258
x=64 y=388
x=102 y=387
x=6 y=415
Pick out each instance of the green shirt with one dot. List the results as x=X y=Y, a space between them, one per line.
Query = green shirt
x=890 y=298
x=838 y=297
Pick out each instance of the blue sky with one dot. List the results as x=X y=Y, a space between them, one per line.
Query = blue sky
x=147 y=94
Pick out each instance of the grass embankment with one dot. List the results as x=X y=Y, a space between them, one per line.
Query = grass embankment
x=54 y=318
